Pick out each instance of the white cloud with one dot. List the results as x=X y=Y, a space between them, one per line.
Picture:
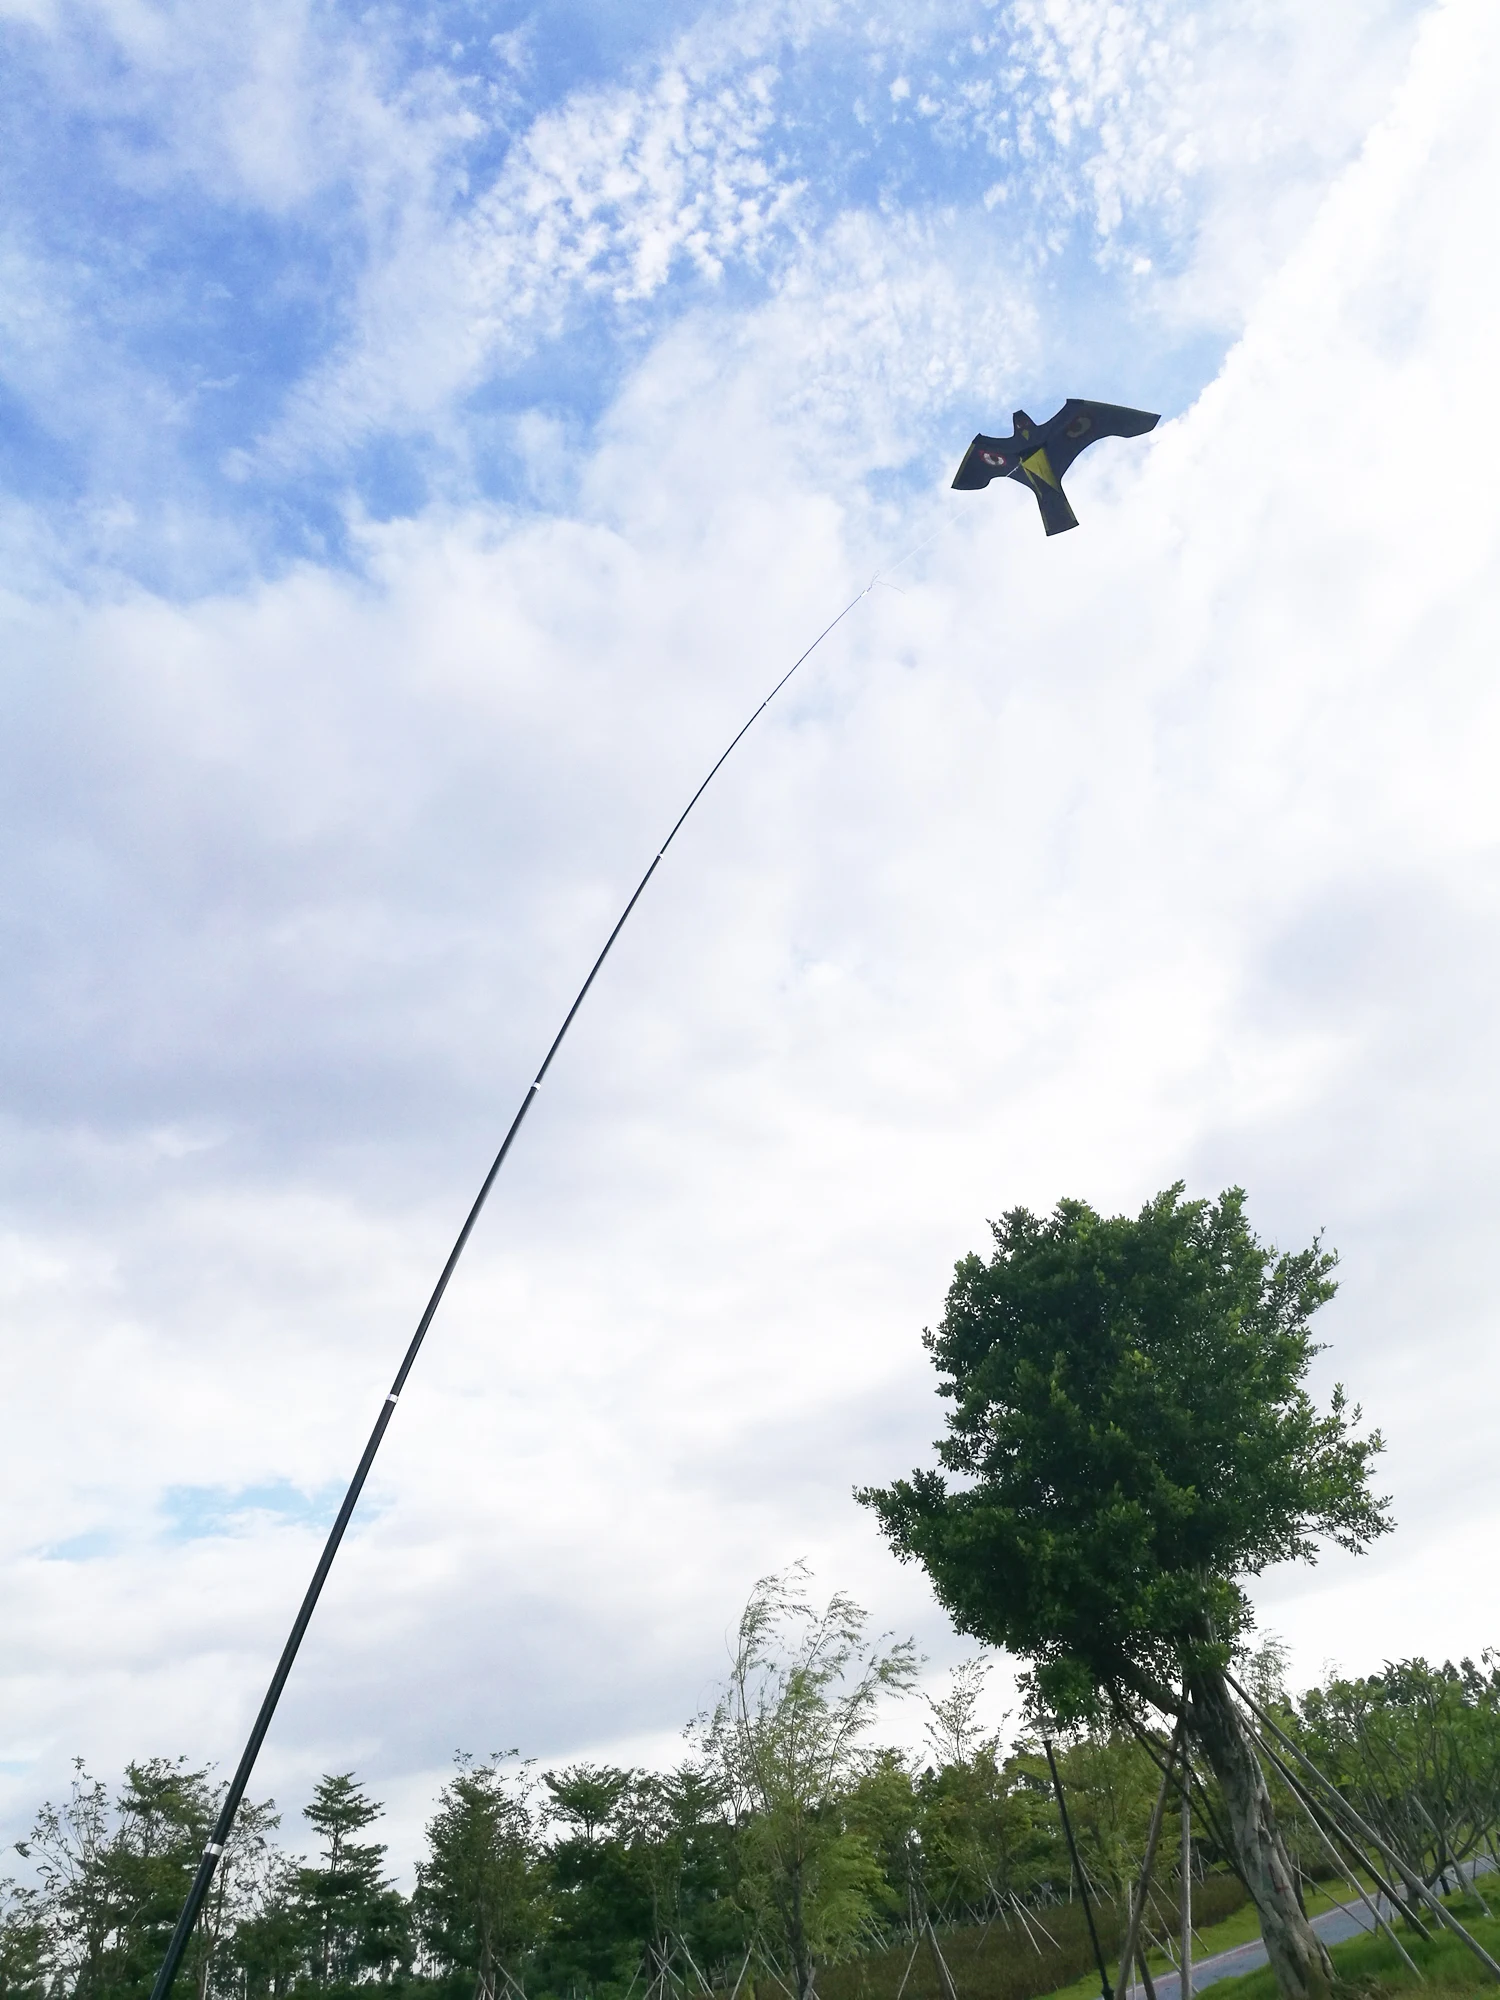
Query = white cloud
x=388 y=270
x=1206 y=135
x=266 y=106
x=1166 y=847
x=606 y=195
x=1211 y=133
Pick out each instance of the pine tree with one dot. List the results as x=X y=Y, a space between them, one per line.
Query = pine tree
x=355 y=1920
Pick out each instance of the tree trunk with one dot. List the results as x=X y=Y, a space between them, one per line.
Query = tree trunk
x=796 y=1940
x=1302 y=1966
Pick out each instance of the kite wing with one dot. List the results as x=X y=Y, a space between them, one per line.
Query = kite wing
x=986 y=459
x=1077 y=425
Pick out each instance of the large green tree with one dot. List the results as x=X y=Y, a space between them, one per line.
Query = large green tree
x=1130 y=1438
x=602 y=1906
x=481 y=1902
x=643 y=1864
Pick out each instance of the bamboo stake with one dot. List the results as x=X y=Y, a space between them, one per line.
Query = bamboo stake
x=1434 y=1903
x=1350 y=1874
x=735 y=1995
x=945 y=1977
x=1138 y=1901
x=1185 y=1947
x=1037 y=1920
x=916 y=1947
x=1329 y=1828
x=771 y=1967
x=1031 y=1935
x=1205 y=1804
x=682 y=1946
x=1457 y=1864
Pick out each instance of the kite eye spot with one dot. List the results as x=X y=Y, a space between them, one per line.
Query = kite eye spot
x=1077 y=428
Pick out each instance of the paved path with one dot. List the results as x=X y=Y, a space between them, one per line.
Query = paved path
x=1344 y=1920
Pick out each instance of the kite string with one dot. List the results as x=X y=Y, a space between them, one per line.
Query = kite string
x=944 y=526
x=237 y=1785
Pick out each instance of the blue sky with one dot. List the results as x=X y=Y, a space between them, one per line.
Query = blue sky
x=426 y=435
x=336 y=259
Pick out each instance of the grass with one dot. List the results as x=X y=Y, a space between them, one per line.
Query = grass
x=1209 y=1940
x=1369 y=1968
x=996 y=1963
x=1000 y=1965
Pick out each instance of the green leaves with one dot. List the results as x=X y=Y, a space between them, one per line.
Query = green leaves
x=23 y=1942
x=1129 y=1437
x=112 y=1875
x=354 y=1921
x=644 y=1860
x=786 y=1742
x=1417 y=1748
x=482 y=1900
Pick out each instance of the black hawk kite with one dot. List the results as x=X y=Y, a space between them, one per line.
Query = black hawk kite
x=1039 y=454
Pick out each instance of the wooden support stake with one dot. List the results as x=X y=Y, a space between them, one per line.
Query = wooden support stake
x=945 y=1977
x=1315 y=1817
x=1434 y=1903
x=1185 y=1949
x=735 y=1995
x=1138 y=1901
x=916 y=1946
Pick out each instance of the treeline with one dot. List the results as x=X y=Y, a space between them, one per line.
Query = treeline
x=559 y=1884
x=785 y=1847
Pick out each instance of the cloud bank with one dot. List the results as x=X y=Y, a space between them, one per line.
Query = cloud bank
x=582 y=387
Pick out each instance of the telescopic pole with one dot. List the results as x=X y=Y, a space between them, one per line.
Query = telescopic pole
x=236 y=1792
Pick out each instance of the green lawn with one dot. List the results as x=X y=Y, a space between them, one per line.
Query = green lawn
x=1367 y=1964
